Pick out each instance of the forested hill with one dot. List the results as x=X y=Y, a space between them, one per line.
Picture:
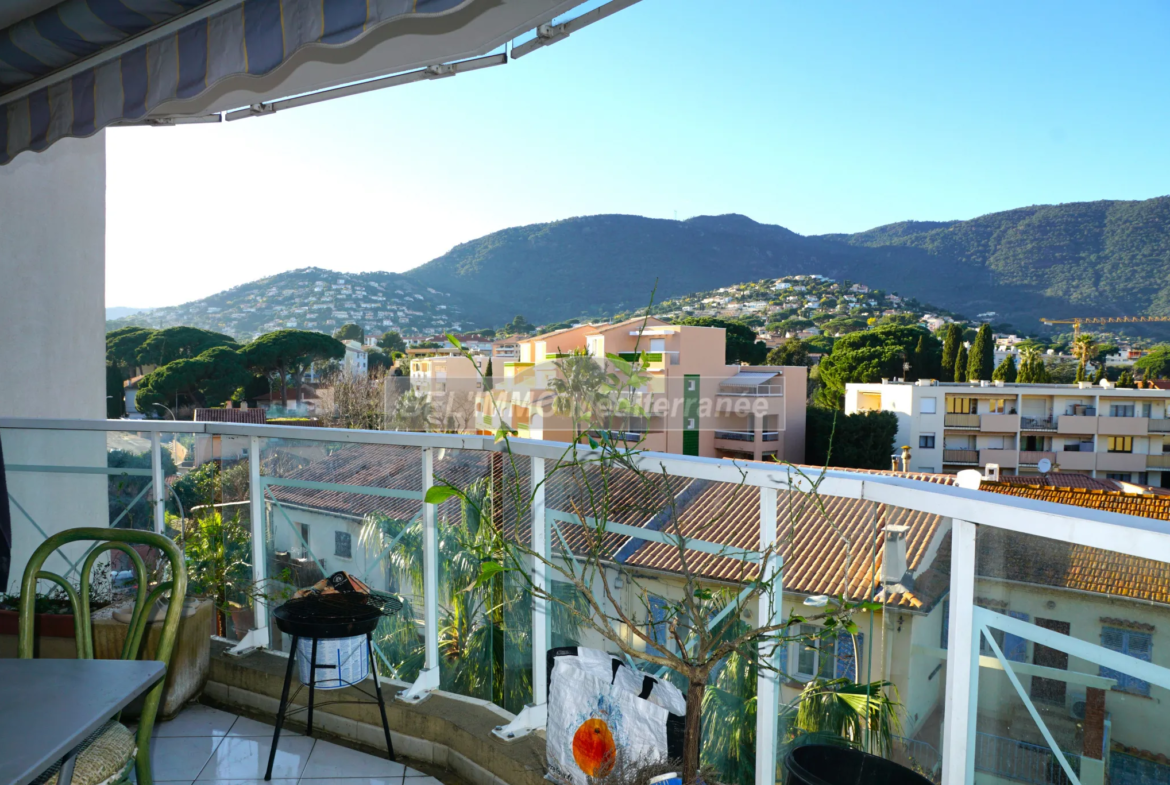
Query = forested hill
x=1107 y=258
x=1080 y=259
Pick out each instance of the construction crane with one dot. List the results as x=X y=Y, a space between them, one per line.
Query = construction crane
x=1076 y=323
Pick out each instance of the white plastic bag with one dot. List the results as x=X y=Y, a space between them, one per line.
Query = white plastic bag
x=596 y=719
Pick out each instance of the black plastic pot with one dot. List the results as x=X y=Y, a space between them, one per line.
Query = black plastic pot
x=821 y=764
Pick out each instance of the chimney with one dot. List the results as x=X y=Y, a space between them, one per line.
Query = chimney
x=906 y=458
x=894 y=554
x=991 y=472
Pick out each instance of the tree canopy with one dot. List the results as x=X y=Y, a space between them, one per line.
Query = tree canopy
x=861 y=441
x=981 y=361
x=1156 y=364
x=871 y=356
x=287 y=352
x=349 y=332
x=961 y=363
x=391 y=342
x=180 y=343
x=791 y=352
x=122 y=347
x=952 y=339
x=210 y=379
x=741 y=345
x=1006 y=371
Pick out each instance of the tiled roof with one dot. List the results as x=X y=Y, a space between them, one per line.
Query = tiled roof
x=1060 y=480
x=256 y=416
x=1019 y=557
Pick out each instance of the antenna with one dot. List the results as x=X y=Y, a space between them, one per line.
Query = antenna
x=1044 y=465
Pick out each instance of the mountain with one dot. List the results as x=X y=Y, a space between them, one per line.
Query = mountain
x=118 y=312
x=312 y=299
x=1079 y=259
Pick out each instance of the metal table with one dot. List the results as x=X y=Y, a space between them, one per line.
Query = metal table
x=48 y=707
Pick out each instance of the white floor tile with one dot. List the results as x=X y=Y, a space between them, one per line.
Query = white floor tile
x=180 y=758
x=413 y=773
x=330 y=761
x=354 y=781
x=244 y=758
x=196 y=721
x=249 y=727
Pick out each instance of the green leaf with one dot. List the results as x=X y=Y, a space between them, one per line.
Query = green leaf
x=454 y=341
x=437 y=494
x=592 y=443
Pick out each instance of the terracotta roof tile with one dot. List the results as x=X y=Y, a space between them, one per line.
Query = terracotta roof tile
x=256 y=416
x=1061 y=480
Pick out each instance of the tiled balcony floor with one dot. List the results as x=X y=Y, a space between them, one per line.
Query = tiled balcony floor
x=204 y=744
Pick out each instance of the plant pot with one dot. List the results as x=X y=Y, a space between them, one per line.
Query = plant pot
x=822 y=764
x=54 y=635
x=243 y=619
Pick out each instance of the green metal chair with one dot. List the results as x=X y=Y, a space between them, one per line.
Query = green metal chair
x=107 y=755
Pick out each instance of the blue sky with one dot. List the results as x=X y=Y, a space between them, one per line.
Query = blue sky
x=821 y=117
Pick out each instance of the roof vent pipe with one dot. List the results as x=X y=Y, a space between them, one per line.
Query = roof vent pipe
x=894 y=554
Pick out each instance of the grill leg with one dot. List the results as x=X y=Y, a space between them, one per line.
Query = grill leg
x=378 y=689
x=312 y=683
x=292 y=656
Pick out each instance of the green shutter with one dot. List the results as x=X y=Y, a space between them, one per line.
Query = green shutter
x=691 y=414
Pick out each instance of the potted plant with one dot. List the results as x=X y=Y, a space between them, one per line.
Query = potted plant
x=219 y=566
x=53 y=620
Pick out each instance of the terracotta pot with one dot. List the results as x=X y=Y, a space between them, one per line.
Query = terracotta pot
x=243 y=619
x=53 y=625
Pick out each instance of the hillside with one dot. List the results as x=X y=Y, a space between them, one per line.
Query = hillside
x=312 y=299
x=1079 y=259
x=1099 y=258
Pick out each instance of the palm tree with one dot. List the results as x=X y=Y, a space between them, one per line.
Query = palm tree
x=578 y=391
x=862 y=714
x=1084 y=348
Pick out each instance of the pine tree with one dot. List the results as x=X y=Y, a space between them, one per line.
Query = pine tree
x=961 y=363
x=981 y=361
x=951 y=343
x=1006 y=370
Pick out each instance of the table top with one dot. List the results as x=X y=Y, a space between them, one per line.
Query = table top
x=48 y=707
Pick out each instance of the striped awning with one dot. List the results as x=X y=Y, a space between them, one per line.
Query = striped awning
x=75 y=67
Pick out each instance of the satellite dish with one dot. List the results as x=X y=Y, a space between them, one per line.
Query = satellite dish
x=969 y=479
x=1044 y=466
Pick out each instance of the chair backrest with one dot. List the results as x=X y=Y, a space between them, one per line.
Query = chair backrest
x=106 y=539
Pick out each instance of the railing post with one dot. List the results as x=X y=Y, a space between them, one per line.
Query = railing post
x=768 y=680
x=962 y=689
x=534 y=716
x=428 y=678
x=261 y=637
x=159 y=482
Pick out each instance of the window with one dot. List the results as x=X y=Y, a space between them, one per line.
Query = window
x=926 y=441
x=1120 y=476
x=1146 y=410
x=961 y=405
x=1120 y=444
x=814 y=657
x=929 y=405
x=997 y=406
x=1134 y=644
x=1014 y=648
x=304 y=543
x=343 y=545
x=1121 y=410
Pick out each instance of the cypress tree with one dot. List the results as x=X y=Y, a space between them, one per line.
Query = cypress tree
x=961 y=364
x=1040 y=373
x=488 y=382
x=1080 y=373
x=1006 y=370
x=982 y=358
x=951 y=343
x=1100 y=374
x=1126 y=380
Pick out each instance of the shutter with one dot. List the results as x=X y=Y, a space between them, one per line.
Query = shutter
x=1139 y=646
x=846 y=656
x=1015 y=648
x=1114 y=640
x=657 y=624
x=946 y=622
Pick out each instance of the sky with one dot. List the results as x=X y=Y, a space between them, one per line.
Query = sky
x=820 y=117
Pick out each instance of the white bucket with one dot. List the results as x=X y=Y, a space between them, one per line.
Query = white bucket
x=348 y=656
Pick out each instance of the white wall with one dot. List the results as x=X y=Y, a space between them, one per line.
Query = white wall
x=52 y=334
x=52 y=264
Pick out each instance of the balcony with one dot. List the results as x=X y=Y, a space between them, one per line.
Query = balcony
x=999 y=423
x=1077 y=424
x=1159 y=424
x=1123 y=426
x=1033 y=457
x=1077 y=460
x=295 y=489
x=1000 y=457
x=968 y=421
x=757 y=391
x=1121 y=462
x=1158 y=461
x=1037 y=423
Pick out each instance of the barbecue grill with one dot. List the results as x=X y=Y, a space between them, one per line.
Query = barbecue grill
x=338 y=611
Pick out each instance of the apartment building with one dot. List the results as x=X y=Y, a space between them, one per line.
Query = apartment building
x=1099 y=430
x=696 y=404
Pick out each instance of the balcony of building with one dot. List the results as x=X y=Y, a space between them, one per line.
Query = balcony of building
x=314 y=491
x=1033 y=457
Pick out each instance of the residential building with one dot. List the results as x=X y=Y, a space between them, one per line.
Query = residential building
x=1099 y=430
x=356 y=358
x=696 y=404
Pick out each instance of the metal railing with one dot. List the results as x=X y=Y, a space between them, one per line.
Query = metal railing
x=1021 y=761
x=955 y=420
x=1037 y=423
x=738 y=436
x=770 y=436
x=749 y=390
x=966 y=510
x=1159 y=425
x=1033 y=457
x=960 y=456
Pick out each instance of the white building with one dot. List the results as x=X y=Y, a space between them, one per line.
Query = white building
x=1102 y=431
x=356 y=358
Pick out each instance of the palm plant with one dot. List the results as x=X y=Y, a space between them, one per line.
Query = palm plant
x=864 y=715
x=578 y=391
x=1084 y=348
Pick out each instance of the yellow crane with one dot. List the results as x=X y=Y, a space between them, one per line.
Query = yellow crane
x=1076 y=323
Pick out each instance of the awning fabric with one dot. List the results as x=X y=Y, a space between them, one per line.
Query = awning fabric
x=252 y=38
x=748 y=379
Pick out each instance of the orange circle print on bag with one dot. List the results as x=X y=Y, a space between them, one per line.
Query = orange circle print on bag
x=593 y=748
